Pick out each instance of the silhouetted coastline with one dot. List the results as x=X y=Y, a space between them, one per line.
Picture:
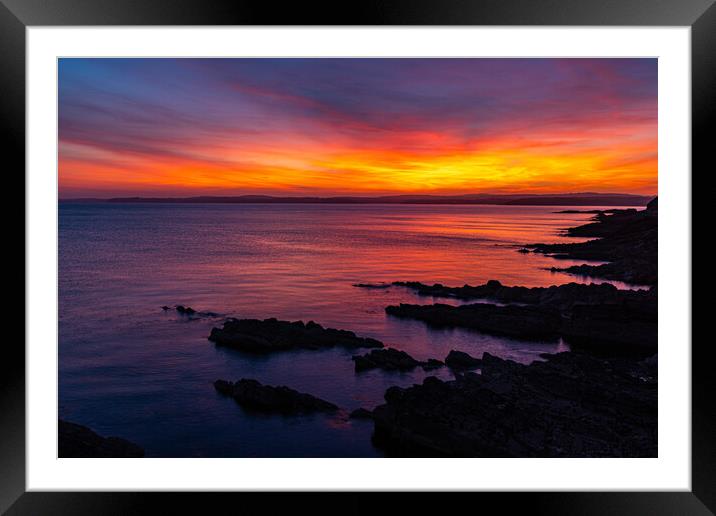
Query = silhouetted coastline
x=569 y=199
x=598 y=400
x=79 y=441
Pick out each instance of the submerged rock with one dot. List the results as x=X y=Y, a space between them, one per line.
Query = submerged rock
x=185 y=310
x=189 y=312
x=391 y=360
x=461 y=360
x=252 y=394
x=572 y=405
x=582 y=211
x=79 y=441
x=372 y=285
x=271 y=335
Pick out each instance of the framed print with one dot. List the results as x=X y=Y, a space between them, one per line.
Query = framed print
x=418 y=248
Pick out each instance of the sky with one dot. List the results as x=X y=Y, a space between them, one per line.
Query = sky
x=293 y=127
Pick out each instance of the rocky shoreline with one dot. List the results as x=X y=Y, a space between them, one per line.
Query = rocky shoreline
x=390 y=359
x=520 y=322
x=627 y=326
x=626 y=239
x=557 y=296
x=79 y=441
x=596 y=402
x=571 y=405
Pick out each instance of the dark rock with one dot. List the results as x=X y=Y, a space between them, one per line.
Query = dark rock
x=572 y=405
x=581 y=211
x=609 y=329
x=562 y=297
x=361 y=413
x=271 y=335
x=185 y=310
x=432 y=363
x=79 y=441
x=253 y=395
x=461 y=360
x=522 y=322
x=391 y=360
x=189 y=312
x=372 y=285
x=635 y=271
x=394 y=393
x=651 y=361
x=627 y=239
x=599 y=318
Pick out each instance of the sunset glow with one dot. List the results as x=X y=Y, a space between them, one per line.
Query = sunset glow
x=175 y=127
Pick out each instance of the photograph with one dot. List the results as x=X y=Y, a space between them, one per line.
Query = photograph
x=302 y=257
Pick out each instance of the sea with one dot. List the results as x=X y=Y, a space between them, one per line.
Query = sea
x=127 y=368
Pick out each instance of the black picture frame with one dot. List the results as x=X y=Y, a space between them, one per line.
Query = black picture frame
x=17 y=15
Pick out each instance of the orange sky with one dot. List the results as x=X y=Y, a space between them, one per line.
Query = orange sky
x=359 y=127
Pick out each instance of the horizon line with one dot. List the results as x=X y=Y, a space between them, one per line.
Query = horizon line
x=356 y=199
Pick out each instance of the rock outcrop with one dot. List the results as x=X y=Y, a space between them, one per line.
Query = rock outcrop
x=627 y=239
x=270 y=335
x=79 y=441
x=189 y=312
x=598 y=318
x=571 y=405
x=561 y=297
x=461 y=360
x=253 y=395
x=372 y=285
x=361 y=413
x=521 y=322
x=185 y=310
x=391 y=359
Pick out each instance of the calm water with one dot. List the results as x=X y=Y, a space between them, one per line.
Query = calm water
x=128 y=369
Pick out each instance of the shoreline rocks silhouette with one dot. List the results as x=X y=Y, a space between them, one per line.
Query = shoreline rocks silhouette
x=271 y=335
x=390 y=359
x=625 y=328
x=558 y=296
x=76 y=440
x=520 y=322
x=461 y=360
x=189 y=311
x=626 y=239
x=252 y=394
x=571 y=405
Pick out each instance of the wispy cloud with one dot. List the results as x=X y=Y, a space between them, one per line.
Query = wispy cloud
x=357 y=125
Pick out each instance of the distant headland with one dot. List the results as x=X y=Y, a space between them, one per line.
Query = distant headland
x=568 y=199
